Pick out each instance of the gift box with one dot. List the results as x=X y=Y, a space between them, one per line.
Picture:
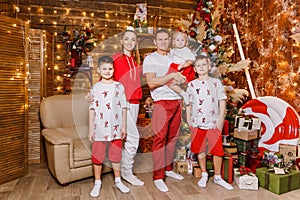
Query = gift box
x=247 y=123
x=227 y=168
x=278 y=183
x=243 y=145
x=253 y=161
x=247 y=181
x=246 y=134
x=230 y=148
x=242 y=158
x=289 y=152
x=181 y=167
x=197 y=171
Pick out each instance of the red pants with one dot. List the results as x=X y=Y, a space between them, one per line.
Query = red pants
x=166 y=119
x=114 y=151
x=212 y=136
x=188 y=72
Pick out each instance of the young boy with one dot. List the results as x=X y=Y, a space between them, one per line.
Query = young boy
x=107 y=123
x=205 y=115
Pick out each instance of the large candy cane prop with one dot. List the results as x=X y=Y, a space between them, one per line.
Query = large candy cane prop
x=243 y=58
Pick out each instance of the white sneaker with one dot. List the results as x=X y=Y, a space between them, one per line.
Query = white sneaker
x=174 y=175
x=223 y=183
x=133 y=180
x=96 y=190
x=123 y=188
x=160 y=184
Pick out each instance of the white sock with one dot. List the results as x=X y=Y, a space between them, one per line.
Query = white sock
x=96 y=189
x=203 y=180
x=174 y=175
x=132 y=179
x=160 y=184
x=123 y=188
x=218 y=180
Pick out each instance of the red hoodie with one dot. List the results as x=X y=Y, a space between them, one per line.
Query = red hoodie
x=129 y=74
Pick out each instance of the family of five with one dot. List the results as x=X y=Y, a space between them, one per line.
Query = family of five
x=172 y=76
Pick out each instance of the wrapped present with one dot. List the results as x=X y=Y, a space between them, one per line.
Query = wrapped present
x=197 y=171
x=242 y=158
x=227 y=168
x=246 y=134
x=253 y=161
x=230 y=148
x=278 y=183
x=181 y=167
x=297 y=164
x=245 y=180
x=288 y=151
x=245 y=122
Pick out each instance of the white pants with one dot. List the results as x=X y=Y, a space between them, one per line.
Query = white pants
x=132 y=140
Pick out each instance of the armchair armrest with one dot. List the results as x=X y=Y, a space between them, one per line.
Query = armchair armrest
x=56 y=137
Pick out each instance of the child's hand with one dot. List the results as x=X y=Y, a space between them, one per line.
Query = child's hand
x=181 y=66
x=91 y=136
x=123 y=133
x=89 y=97
x=219 y=124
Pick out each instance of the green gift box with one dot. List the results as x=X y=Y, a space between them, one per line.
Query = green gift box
x=278 y=183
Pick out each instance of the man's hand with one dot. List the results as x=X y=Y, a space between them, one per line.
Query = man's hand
x=179 y=78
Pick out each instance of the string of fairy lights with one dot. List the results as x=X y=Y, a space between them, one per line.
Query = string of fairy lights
x=88 y=17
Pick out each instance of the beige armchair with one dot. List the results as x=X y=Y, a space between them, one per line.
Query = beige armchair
x=65 y=129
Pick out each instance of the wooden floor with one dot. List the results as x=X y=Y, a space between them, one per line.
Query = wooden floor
x=39 y=184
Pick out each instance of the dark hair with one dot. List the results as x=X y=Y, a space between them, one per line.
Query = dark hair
x=136 y=48
x=162 y=31
x=105 y=59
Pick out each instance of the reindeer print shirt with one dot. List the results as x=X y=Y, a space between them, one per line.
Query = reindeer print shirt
x=108 y=104
x=204 y=97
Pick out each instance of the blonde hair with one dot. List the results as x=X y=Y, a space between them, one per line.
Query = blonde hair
x=175 y=34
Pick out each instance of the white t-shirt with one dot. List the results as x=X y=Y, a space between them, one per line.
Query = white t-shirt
x=159 y=64
x=180 y=56
x=108 y=104
x=204 y=97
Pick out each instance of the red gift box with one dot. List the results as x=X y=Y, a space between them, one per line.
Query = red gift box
x=227 y=168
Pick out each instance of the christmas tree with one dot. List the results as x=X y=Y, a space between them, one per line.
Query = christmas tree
x=206 y=37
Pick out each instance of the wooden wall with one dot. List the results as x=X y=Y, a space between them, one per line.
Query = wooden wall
x=13 y=99
x=40 y=85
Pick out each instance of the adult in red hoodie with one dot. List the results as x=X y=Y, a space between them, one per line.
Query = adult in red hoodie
x=128 y=72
